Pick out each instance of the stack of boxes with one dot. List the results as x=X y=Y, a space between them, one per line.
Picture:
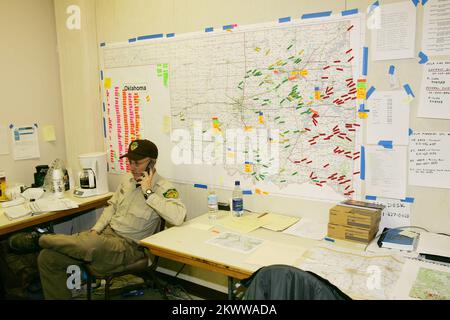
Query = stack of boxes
x=354 y=222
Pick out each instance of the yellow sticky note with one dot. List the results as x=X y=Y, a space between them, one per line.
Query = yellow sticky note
x=408 y=100
x=166 y=124
x=261 y=119
x=230 y=154
x=107 y=83
x=363 y=115
x=48 y=133
x=361 y=93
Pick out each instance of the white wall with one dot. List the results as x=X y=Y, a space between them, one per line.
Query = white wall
x=117 y=20
x=29 y=81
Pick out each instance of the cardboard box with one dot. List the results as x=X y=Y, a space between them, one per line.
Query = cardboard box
x=351 y=233
x=359 y=217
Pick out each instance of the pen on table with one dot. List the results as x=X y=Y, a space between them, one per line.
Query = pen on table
x=328 y=239
x=262 y=215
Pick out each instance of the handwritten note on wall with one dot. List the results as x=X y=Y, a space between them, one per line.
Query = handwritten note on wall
x=429 y=159
x=435 y=90
x=436 y=36
x=395 y=214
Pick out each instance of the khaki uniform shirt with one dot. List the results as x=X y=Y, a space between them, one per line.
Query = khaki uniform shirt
x=133 y=217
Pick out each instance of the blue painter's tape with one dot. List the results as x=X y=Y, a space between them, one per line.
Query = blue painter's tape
x=230 y=26
x=201 y=186
x=423 y=58
x=373 y=6
x=424 y=2
x=210 y=29
x=365 y=58
x=170 y=35
x=11 y=126
x=415 y=2
x=371 y=197
x=150 y=36
x=349 y=12
x=104 y=127
x=385 y=143
x=369 y=92
x=101 y=74
x=362 y=108
x=391 y=69
x=316 y=15
x=102 y=44
x=408 y=199
x=285 y=19
x=409 y=90
x=132 y=40
x=248 y=192
x=410 y=132
x=362 y=173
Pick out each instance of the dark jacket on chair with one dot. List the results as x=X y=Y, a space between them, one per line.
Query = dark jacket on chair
x=282 y=282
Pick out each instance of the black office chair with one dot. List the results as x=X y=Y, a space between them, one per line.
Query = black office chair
x=283 y=282
x=138 y=268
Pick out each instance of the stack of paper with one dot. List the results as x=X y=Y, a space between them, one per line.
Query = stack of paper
x=276 y=222
x=39 y=206
x=242 y=224
x=307 y=228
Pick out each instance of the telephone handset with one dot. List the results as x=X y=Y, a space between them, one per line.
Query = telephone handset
x=147 y=169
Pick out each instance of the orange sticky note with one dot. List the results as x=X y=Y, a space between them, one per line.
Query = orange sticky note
x=317 y=95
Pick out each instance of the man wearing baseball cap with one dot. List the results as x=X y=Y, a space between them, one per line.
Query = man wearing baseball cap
x=134 y=213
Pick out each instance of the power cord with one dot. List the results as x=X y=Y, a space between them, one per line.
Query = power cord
x=177 y=291
x=182 y=267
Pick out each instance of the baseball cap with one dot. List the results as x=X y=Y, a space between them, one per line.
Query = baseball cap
x=140 y=149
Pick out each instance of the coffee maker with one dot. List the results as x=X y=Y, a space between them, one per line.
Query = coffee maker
x=93 y=177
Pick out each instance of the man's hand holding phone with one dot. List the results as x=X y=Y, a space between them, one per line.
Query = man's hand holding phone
x=146 y=180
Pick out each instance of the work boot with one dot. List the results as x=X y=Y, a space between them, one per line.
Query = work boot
x=25 y=242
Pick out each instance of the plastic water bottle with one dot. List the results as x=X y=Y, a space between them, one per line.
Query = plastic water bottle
x=238 y=202
x=58 y=183
x=212 y=204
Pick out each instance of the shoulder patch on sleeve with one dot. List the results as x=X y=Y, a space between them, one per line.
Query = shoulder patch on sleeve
x=171 y=193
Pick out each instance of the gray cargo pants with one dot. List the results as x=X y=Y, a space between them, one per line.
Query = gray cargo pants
x=106 y=252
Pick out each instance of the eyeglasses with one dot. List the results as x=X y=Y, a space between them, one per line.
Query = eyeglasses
x=138 y=163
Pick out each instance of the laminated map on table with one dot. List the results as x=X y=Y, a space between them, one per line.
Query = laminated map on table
x=360 y=275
